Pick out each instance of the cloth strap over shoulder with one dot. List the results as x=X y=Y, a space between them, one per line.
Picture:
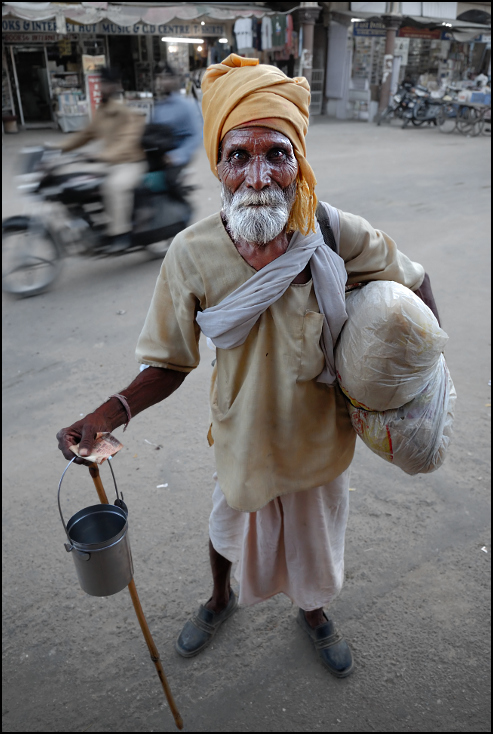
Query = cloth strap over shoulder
x=229 y=322
x=323 y=219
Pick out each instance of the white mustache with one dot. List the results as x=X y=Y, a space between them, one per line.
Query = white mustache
x=269 y=197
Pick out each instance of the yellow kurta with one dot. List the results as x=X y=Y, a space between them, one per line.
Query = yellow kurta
x=275 y=429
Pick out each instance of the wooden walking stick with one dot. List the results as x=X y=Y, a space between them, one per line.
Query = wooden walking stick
x=153 y=651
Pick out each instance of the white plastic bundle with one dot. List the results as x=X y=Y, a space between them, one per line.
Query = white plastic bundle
x=389 y=348
x=415 y=436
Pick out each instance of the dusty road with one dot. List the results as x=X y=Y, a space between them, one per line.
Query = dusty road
x=415 y=606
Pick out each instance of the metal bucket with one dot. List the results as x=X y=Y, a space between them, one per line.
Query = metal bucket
x=98 y=540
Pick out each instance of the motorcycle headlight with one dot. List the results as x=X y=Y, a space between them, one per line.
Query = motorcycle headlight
x=397 y=98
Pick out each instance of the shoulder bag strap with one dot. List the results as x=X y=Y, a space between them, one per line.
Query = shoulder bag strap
x=326 y=229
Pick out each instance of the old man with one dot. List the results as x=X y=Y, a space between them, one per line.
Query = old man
x=261 y=282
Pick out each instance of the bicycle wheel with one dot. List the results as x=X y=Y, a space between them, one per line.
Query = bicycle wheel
x=447 y=118
x=30 y=257
x=486 y=122
x=470 y=122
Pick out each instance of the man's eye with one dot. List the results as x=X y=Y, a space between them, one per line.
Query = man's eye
x=277 y=154
x=238 y=155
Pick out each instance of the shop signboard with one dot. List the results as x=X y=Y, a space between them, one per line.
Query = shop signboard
x=179 y=28
x=93 y=91
x=32 y=38
x=92 y=63
x=369 y=28
x=64 y=46
x=409 y=32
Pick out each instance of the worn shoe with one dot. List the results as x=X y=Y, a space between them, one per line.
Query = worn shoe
x=199 y=631
x=331 y=646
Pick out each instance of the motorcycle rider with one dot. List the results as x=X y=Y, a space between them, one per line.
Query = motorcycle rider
x=179 y=118
x=121 y=157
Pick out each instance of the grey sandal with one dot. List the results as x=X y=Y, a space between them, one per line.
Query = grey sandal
x=199 y=631
x=330 y=645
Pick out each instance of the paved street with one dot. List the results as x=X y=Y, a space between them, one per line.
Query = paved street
x=415 y=605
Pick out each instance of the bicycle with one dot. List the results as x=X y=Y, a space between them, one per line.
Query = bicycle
x=472 y=120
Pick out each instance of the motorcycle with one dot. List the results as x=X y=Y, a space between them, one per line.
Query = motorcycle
x=67 y=217
x=422 y=108
x=399 y=104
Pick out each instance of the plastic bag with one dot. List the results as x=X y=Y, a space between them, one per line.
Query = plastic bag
x=416 y=436
x=389 y=347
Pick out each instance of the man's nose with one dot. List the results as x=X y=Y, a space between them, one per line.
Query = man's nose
x=258 y=174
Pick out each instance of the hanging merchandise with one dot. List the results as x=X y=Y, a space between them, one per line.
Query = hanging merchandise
x=278 y=30
x=243 y=33
x=289 y=31
x=266 y=33
x=257 y=33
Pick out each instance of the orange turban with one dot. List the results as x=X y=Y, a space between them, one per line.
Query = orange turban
x=239 y=92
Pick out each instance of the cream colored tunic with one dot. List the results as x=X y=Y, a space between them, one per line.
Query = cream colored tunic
x=275 y=429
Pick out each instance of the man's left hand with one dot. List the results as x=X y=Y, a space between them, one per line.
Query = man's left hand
x=425 y=293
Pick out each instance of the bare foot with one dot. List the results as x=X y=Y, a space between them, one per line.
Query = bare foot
x=316 y=617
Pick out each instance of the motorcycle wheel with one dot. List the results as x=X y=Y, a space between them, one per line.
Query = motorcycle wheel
x=158 y=250
x=418 y=123
x=30 y=257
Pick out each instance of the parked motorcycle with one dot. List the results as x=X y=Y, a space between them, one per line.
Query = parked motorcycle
x=422 y=108
x=398 y=105
x=67 y=217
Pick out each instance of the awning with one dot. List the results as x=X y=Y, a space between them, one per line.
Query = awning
x=461 y=30
x=125 y=15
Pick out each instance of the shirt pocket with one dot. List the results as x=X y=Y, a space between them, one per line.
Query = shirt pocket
x=312 y=359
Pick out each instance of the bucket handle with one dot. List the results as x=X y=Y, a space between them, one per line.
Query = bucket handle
x=119 y=502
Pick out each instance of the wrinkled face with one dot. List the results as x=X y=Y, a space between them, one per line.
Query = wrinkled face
x=258 y=171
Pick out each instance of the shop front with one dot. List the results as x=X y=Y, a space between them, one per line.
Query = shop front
x=431 y=51
x=44 y=44
x=46 y=74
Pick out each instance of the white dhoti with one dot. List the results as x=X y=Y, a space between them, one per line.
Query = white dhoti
x=294 y=545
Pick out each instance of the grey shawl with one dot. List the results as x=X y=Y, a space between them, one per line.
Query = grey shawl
x=229 y=322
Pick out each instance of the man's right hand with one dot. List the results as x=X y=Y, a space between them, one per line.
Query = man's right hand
x=82 y=433
x=149 y=387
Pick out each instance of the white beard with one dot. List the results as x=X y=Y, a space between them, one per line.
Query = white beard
x=258 y=216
